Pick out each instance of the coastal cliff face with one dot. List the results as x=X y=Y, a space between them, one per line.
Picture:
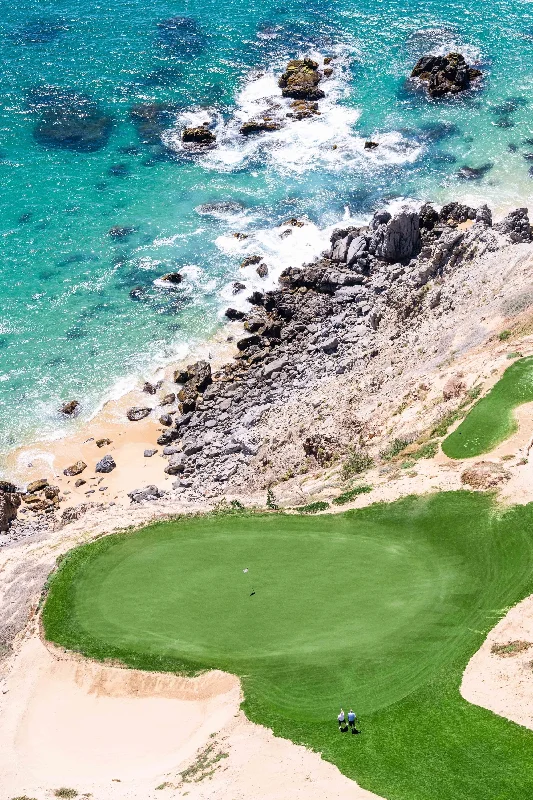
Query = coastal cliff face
x=317 y=356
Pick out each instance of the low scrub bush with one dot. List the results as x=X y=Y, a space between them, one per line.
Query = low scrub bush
x=511 y=648
x=358 y=461
x=394 y=449
x=313 y=508
x=351 y=494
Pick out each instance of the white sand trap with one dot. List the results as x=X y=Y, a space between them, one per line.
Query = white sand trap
x=118 y=733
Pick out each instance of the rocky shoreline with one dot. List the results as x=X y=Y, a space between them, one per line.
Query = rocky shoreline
x=329 y=325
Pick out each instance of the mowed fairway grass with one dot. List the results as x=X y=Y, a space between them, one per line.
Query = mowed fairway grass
x=492 y=420
x=379 y=608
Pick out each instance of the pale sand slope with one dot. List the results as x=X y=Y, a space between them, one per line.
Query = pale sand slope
x=117 y=733
x=504 y=684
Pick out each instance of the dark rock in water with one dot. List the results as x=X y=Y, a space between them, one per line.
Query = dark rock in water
x=106 y=464
x=70 y=408
x=395 y=238
x=220 y=209
x=119 y=171
x=504 y=122
x=444 y=75
x=528 y=156
x=75 y=469
x=135 y=414
x=262 y=125
x=9 y=505
x=516 y=225
x=121 y=232
x=371 y=145
x=512 y=147
x=262 y=270
x=129 y=150
x=454 y=214
x=138 y=293
x=250 y=261
x=438 y=131
x=148 y=493
x=200 y=135
x=303 y=109
x=149 y=388
x=300 y=80
x=238 y=287
x=152 y=120
x=164 y=76
x=25 y=218
x=168 y=399
x=39 y=31
x=69 y=121
x=234 y=314
x=474 y=173
x=428 y=217
x=182 y=36
x=173 y=278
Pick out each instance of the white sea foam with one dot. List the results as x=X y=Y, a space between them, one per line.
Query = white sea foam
x=327 y=139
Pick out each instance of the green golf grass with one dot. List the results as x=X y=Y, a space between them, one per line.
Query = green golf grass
x=379 y=609
x=491 y=420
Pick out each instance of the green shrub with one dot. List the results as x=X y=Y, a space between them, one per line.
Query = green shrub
x=68 y=794
x=427 y=450
x=394 y=449
x=271 y=500
x=351 y=494
x=313 y=508
x=514 y=355
x=504 y=335
x=358 y=461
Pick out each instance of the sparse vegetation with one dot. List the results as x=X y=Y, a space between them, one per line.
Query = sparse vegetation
x=511 y=648
x=271 y=500
x=394 y=448
x=162 y=786
x=514 y=355
x=504 y=335
x=23 y=797
x=427 y=450
x=358 y=461
x=66 y=794
x=351 y=494
x=232 y=507
x=313 y=508
x=204 y=766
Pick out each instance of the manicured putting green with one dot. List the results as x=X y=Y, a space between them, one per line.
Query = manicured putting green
x=492 y=420
x=379 y=608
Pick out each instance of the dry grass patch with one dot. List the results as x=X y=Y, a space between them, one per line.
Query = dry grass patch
x=510 y=649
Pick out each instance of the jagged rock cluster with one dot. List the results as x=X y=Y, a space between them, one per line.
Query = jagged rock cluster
x=444 y=75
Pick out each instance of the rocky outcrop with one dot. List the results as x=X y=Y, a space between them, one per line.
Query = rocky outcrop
x=173 y=278
x=395 y=238
x=200 y=135
x=516 y=226
x=300 y=80
x=444 y=75
x=9 y=505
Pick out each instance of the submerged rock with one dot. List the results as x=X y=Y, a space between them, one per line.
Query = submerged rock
x=300 y=80
x=69 y=121
x=152 y=120
x=444 y=75
x=70 y=408
x=182 y=36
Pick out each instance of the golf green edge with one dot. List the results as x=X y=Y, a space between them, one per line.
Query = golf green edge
x=379 y=608
x=491 y=420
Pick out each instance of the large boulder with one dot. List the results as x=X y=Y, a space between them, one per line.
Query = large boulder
x=148 y=493
x=75 y=469
x=106 y=464
x=135 y=414
x=516 y=226
x=444 y=75
x=300 y=80
x=263 y=124
x=395 y=238
x=197 y=374
x=70 y=408
x=9 y=503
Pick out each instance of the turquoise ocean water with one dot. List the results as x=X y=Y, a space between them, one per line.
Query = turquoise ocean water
x=68 y=324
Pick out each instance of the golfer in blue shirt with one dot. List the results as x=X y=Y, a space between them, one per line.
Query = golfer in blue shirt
x=351 y=718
